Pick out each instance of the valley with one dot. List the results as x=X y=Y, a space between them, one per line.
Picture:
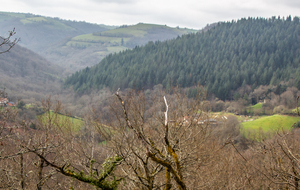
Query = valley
x=148 y=106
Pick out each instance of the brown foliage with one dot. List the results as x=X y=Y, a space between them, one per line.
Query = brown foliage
x=162 y=143
x=49 y=157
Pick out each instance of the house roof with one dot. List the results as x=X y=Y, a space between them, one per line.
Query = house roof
x=3 y=100
x=11 y=104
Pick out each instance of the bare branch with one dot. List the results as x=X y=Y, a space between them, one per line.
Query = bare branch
x=6 y=43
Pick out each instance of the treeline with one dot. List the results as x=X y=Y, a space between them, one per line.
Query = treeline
x=253 y=51
x=107 y=34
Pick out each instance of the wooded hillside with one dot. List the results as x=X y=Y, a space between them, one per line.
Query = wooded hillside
x=25 y=74
x=253 y=51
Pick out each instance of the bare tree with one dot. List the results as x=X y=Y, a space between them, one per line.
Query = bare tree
x=161 y=149
x=54 y=156
x=67 y=153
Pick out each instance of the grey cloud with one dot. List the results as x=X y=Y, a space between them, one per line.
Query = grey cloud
x=289 y=3
x=183 y=13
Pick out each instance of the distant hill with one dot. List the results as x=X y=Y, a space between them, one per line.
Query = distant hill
x=253 y=51
x=88 y=49
x=76 y=45
x=39 y=32
x=24 y=74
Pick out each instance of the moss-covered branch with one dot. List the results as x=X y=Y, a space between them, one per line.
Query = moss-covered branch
x=99 y=181
x=168 y=165
x=168 y=180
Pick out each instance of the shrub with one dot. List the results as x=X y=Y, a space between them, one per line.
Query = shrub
x=296 y=125
x=278 y=109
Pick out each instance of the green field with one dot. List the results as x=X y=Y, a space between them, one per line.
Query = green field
x=33 y=20
x=257 y=106
x=138 y=30
x=116 y=48
x=269 y=124
x=112 y=36
x=61 y=121
x=115 y=37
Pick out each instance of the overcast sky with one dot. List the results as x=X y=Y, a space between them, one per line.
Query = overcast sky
x=184 y=13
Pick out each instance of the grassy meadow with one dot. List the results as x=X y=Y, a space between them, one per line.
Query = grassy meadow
x=257 y=106
x=116 y=36
x=62 y=121
x=267 y=125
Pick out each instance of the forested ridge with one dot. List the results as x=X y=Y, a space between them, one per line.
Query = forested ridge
x=252 y=51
